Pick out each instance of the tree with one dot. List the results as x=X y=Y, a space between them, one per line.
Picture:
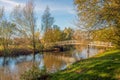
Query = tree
x=1 y=19
x=111 y=13
x=68 y=33
x=105 y=34
x=98 y=14
x=6 y=31
x=47 y=20
x=87 y=11
x=1 y=13
x=53 y=35
x=25 y=20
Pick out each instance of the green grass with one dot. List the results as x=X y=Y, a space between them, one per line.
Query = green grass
x=104 y=66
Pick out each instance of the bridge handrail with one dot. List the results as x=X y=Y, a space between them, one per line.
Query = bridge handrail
x=93 y=43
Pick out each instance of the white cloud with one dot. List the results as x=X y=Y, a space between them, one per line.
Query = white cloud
x=9 y=2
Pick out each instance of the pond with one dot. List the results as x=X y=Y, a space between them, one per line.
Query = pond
x=12 y=67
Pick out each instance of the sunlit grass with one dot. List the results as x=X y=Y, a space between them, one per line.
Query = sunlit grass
x=104 y=66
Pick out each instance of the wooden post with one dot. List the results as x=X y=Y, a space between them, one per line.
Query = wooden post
x=88 y=51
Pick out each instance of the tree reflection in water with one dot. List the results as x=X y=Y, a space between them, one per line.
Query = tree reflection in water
x=12 y=67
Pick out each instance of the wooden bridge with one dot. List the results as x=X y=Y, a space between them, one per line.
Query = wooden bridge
x=75 y=42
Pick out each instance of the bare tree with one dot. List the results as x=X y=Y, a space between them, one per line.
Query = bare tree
x=24 y=18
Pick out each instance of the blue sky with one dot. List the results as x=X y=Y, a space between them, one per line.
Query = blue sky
x=62 y=10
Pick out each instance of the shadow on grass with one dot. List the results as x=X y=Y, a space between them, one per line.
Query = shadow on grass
x=103 y=67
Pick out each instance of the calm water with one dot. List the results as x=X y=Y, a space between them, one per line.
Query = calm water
x=12 y=67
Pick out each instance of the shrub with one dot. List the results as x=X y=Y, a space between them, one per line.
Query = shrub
x=33 y=74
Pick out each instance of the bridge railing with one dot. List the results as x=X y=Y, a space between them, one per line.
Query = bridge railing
x=75 y=42
x=98 y=43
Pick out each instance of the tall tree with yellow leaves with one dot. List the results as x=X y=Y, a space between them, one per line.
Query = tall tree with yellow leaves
x=98 y=14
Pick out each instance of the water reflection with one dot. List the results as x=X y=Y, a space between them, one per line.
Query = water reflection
x=12 y=67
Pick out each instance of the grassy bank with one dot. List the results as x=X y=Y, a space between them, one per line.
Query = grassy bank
x=104 y=66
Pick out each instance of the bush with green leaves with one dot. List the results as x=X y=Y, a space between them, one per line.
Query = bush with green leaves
x=33 y=74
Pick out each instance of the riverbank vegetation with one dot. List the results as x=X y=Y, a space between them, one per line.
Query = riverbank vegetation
x=20 y=35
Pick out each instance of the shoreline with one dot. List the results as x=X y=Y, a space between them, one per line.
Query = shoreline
x=22 y=51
